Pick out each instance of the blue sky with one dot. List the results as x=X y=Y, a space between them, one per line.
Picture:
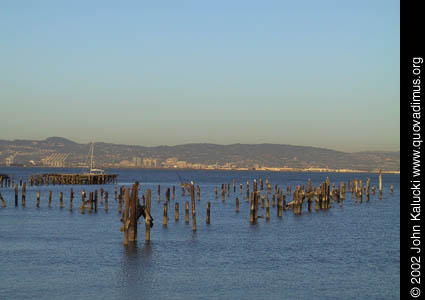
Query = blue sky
x=318 y=73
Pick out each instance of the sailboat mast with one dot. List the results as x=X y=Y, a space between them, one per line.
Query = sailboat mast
x=91 y=157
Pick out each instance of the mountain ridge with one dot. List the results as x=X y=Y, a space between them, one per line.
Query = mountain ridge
x=237 y=155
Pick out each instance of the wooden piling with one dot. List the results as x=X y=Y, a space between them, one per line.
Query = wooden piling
x=148 y=216
x=317 y=199
x=159 y=193
x=83 y=202
x=252 y=211
x=90 y=202
x=279 y=206
x=208 y=212
x=247 y=191
x=71 y=197
x=126 y=216
x=356 y=188
x=23 y=193
x=106 y=201
x=132 y=230
x=237 y=204
x=61 y=199
x=267 y=209
x=3 y=203
x=50 y=199
x=367 y=189
x=167 y=194
x=380 y=183
x=309 y=207
x=192 y=195
x=95 y=201
x=165 y=214
x=257 y=201
x=176 y=211
x=186 y=213
x=120 y=200
x=16 y=195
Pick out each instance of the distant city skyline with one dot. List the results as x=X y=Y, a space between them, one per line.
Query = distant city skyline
x=322 y=74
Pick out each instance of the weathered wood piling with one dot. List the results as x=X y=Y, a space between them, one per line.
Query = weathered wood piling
x=38 y=199
x=165 y=214
x=3 y=203
x=132 y=230
x=106 y=201
x=192 y=195
x=61 y=199
x=148 y=219
x=208 y=220
x=125 y=218
x=186 y=213
x=16 y=195
x=176 y=211
x=24 y=191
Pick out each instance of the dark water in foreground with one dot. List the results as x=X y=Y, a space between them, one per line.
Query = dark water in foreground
x=351 y=252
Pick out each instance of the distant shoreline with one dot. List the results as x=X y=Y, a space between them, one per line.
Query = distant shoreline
x=289 y=170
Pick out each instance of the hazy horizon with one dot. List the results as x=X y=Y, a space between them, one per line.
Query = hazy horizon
x=306 y=73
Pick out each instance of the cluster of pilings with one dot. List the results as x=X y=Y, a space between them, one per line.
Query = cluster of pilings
x=321 y=196
x=90 y=204
x=5 y=180
x=86 y=179
x=131 y=207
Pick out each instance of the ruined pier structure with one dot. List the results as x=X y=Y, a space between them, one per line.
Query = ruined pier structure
x=46 y=179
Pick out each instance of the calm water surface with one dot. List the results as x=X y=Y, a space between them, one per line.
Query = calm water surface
x=351 y=252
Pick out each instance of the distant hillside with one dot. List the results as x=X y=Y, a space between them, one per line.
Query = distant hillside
x=239 y=155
